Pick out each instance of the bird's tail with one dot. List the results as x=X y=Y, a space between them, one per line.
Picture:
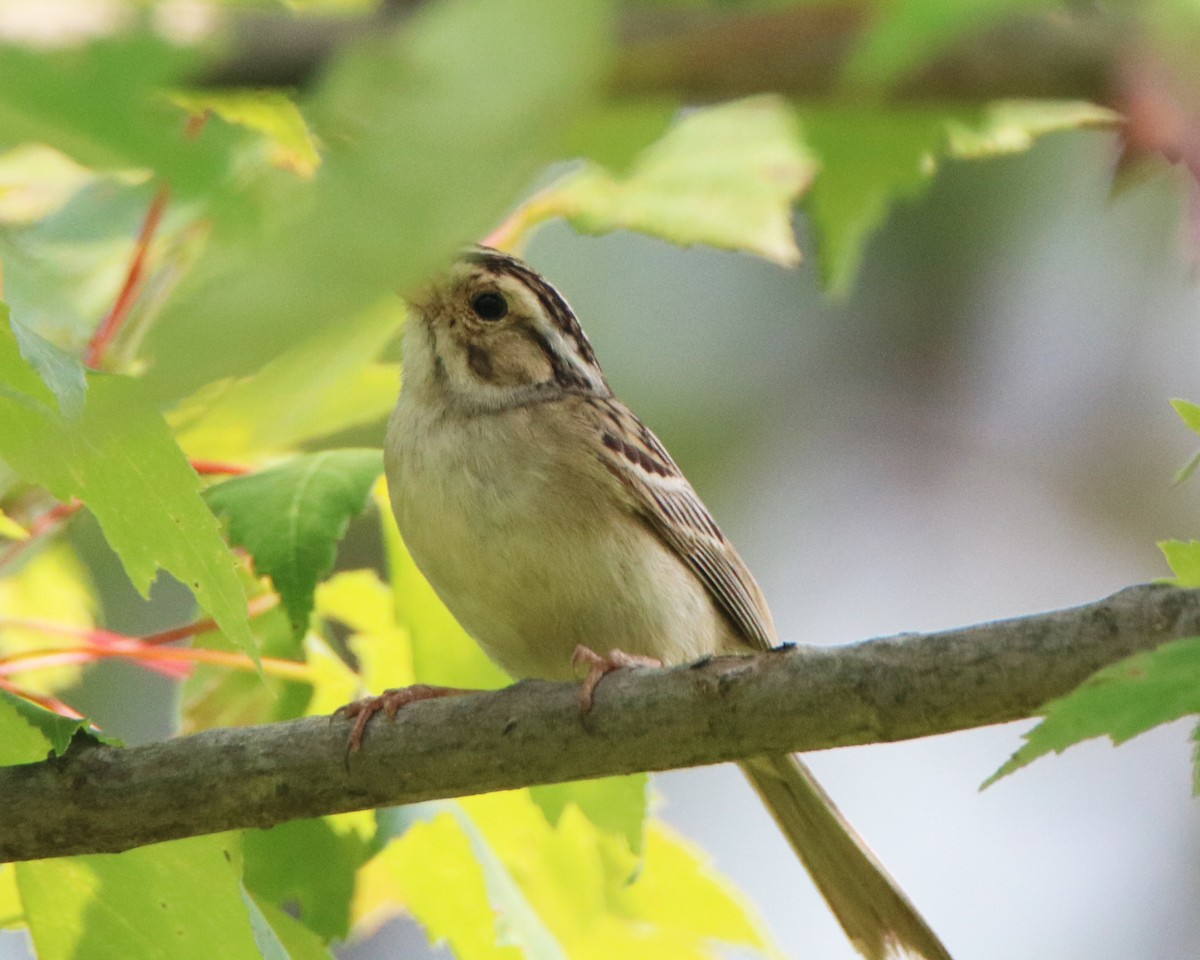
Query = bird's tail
x=876 y=915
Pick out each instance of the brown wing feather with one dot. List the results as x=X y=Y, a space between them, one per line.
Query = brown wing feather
x=666 y=502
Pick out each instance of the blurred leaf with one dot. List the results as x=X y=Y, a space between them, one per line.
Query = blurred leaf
x=280 y=935
x=218 y=696
x=459 y=892
x=443 y=654
x=613 y=134
x=12 y=913
x=725 y=176
x=121 y=460
x=871 y=157
x=279 y=867
x=615 y=805
x=54 y=587
x=267 y=414
x=382 y=647
x=523 y=878
x=10 y=529
x=271 y=113
x=62 y=373
x=291 y=518
x=432 y=130
x=102 y=104
x=1184 y=559
x=180 y=900
x=1119 y=701
x=1189 y=413
x=64 y=272
x=36 y=180
x=905 y=35
x=29 y=733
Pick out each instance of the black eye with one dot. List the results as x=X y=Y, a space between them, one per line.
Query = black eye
x=490 y=306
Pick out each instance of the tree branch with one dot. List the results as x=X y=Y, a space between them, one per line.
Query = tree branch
x=105 y=799
x=702 y=55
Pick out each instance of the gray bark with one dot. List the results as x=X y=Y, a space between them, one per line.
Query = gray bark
x=104 y=799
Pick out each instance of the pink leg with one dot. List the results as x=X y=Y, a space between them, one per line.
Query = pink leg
x=600 y=666
x=390 y=702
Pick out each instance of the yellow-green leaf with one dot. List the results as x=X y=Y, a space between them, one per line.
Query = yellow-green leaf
x=725 y=176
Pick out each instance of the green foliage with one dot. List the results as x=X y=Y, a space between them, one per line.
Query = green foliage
x=873 y=156
x=261 y=332
x=181 y=900
x=1120 y=701
x=120 y=459
x=290 y=518
x=726 y=176
x=29 y=733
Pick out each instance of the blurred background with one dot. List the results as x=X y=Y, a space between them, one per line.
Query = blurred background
x=982 y=430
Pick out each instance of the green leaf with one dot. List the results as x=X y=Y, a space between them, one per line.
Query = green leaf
x=102 y=104
x=279 y=935
x=908 y=34
x=725 y=176
x=1184 y=559
x=279 y=869
x=292 y=516
x=62 y=373
x=1189 y=413
x=1120 y=701
x=492 y=873
x=28 y=733
x=120 y=459
x=271 y=113
x=616 y=805
x=871 y=157
x=432 y=131
x=180 y=900
x=265 y=414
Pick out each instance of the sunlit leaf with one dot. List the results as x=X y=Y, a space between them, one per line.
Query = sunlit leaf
x=292 y=516
x=12 y=913
x=518 y=878
x=119 y=457
x=180 y=900
x=381 y=645
x=1184 y=558
x=51 y=587
x=1121 y=701
x=271 y=113
x=725 y=176
x=614 y=804
x=29 y=733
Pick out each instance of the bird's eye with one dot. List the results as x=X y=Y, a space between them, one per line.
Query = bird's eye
x=490 y=306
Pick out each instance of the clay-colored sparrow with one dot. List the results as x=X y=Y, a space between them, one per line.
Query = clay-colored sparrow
x=549 y=518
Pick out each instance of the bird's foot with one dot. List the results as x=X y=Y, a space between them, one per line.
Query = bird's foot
x=601 y=666
x=389 y=702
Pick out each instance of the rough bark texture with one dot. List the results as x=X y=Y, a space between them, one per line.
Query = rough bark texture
x=103 y=799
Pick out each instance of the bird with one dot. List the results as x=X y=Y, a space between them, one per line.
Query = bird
x=558 y=531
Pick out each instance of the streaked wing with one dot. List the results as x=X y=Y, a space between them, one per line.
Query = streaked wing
x=666 y=501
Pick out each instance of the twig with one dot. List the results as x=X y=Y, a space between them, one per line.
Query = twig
x=103 y=799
